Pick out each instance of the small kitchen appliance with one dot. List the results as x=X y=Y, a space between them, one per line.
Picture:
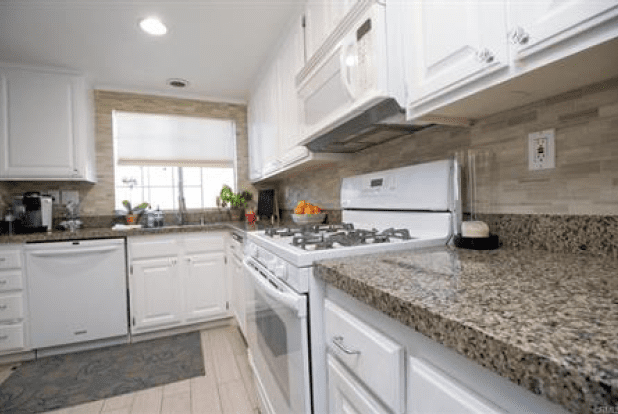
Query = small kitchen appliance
x=404 y=208
x=33 y=213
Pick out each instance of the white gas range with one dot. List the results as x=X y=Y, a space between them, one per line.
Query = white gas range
x=404 y=208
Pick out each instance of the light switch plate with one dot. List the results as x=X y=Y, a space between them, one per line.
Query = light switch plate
x=56 y=195
x=70 y=195
x=541 y=150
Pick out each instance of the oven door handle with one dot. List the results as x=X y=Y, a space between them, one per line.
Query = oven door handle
x=291 y=300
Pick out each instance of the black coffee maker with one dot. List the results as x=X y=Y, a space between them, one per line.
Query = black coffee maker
x=32 y=212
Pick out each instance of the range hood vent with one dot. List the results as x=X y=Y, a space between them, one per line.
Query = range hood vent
x=378 y=124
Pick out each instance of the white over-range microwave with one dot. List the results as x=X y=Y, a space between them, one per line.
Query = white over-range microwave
x=355 y=81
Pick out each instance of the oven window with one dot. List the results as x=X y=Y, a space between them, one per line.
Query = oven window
x=272 y=340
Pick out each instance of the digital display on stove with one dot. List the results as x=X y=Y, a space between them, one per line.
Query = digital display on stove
x=377 y=182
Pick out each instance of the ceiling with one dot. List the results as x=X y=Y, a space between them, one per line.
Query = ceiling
x=217 y=45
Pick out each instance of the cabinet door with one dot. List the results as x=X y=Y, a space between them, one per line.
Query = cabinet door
x=538 y=26
x=254 y=120
x=205 y=282
x=238 y=292
x=317 y=25
x=155 y=293
x=346 y=395
x=290 y=62
x=432 y=391
x=39 y=124
x=452 y=44
x=270 y=131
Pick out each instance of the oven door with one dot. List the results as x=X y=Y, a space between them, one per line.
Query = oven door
x=277 y=333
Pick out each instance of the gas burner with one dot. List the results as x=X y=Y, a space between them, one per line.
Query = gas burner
x=317 y=241
x=308 y=229
x=403 y=234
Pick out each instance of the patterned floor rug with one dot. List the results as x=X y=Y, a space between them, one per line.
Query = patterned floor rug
x=66 y=380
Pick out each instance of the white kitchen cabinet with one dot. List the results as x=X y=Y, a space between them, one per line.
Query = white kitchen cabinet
x=156 y=292
x=468 y=60
x=270 y=124
x=238 y=293
x=543 y=26
x=290 y=61
x=451 y=45
x=13 y=316
x=254 y=122
x=346 y=395
x=205 y=286
x=432 y=391
x=46 y=131
x=177 y=280
x=321 y=18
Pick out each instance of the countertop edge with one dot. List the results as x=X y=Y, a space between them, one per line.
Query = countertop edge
x=471 y=342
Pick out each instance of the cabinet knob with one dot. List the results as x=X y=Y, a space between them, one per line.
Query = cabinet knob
x=518 y=36
x=485 y=56
x=4 y=337
x=3 y=307
x=3 y=282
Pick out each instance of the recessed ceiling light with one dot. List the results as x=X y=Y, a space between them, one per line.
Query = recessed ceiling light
x=153 y=26
x=177 y=83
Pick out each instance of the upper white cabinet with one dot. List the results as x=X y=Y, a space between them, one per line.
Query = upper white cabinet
x=540 y=26
x=321 y=18
x=45 y=126
x=453 y=43
x=467 y=59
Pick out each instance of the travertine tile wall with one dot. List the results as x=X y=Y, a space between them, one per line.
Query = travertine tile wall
x=584 y=182
x=98 y=199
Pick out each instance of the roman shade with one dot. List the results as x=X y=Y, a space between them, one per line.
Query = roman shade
x=153 y=139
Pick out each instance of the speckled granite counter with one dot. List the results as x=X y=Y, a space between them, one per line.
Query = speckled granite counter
x=547 y=321
x=107 y=233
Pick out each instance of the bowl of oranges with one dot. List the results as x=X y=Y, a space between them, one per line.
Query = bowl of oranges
x=307 y=213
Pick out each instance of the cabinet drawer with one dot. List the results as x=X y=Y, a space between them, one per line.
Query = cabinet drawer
x=10 y=259
x=10 y=280
x=11 y=337
x=11 y=307
x=203 y=243
x=375 y=359
x=155 y=246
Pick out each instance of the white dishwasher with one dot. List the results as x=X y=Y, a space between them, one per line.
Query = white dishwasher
x=77 y=291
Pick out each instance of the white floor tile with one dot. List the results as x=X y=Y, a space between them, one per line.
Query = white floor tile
x=148 y=401
x=176 y=404
x=224 y=361
x=234 y=398
x=180 y=387
x=205 y=396
x=118 y=402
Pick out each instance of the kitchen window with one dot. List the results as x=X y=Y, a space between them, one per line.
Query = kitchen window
x=156 y=154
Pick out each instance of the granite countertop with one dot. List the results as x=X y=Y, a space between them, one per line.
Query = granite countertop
x=547 y=321
x=106 y=232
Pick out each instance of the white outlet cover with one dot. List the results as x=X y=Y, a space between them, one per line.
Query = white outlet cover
x=55 y=194
x=70 y=195
x=542 y=150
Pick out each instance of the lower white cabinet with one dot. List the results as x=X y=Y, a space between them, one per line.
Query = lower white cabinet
x=346 y=395
x=13 y=320
x=155 y=293
x=238 y=292
x=205 y=286
x=177 y=280
x=430 y=390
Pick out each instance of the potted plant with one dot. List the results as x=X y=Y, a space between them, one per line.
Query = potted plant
x=237 y=201
x=133 y=214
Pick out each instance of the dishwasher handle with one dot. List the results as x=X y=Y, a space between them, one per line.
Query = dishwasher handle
x=77 y=250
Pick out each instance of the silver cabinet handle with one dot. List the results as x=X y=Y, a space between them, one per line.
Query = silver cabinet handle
x=3 y=282
x=2 y=259
x=485 y=56
x=3 y=307
x=518 y=36
x=80 y=332
x=338 y=342
x=4 y=337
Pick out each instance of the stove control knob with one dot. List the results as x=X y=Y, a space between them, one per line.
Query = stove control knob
x=280 y=271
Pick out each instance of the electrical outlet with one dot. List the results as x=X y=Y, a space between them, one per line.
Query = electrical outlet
x=541 y=150
x=56 y=195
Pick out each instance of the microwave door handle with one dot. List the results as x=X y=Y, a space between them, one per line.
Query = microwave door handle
x=347 y=61
x=293 y=301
